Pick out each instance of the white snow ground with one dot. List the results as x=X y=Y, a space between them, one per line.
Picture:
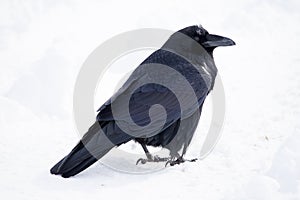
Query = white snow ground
x=44 y=43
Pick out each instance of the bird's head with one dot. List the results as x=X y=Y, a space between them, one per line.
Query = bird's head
x=208 y=41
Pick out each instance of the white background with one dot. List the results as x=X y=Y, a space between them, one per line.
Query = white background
x=44 y=43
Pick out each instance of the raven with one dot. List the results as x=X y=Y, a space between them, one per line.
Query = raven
x=164 y=79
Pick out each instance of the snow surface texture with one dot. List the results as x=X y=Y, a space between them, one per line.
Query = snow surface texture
x=44 y=43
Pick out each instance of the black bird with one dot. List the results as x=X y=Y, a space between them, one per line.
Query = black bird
x=180 y=88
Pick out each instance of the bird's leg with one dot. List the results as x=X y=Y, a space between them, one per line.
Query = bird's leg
x=150 y=158
x=179 y=160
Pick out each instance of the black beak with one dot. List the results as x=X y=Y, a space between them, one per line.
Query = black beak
x=216 y=41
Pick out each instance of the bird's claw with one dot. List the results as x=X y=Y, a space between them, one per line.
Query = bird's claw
x=142 y=160
x=173 y=162
x=178 y=161
x=151 y=159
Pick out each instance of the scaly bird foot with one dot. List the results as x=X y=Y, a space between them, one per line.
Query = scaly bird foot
x=178 y=161
x=151 y=159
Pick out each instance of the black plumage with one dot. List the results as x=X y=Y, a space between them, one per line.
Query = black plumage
x=188 y=54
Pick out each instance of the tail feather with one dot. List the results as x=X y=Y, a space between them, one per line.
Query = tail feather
x=91 y=148
x=76 y=162
x=82 y=166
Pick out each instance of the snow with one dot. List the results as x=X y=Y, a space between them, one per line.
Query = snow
x=43 y=45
